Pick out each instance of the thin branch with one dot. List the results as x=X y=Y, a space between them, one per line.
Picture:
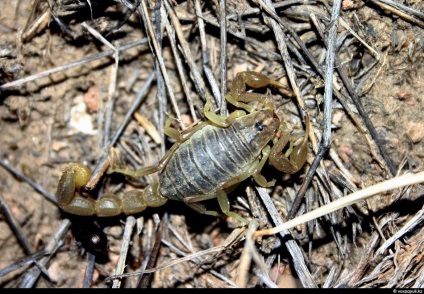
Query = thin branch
x=180 y=67
x=54 y=244
x=112 y=82
x=30 y=182
x=195 y=74
x=295 y=251
x=104 y=161
x=89 y=270
x=397 y=182
x=410 y=225
x=15 y=226
x=393 y=8
x=126 y=239
x=157 y=50
x=223 y=53
x=20 y=82
x=205 y=55
x=23 y=262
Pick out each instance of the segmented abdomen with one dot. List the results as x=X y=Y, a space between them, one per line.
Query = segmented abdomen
x=209 y=158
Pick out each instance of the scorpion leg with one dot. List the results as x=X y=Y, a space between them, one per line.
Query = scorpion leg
x=295 y=157
x=257 y=176
x=202 y=209
x=180 y=137
x=193 y=202
x=148 y=169
x=218 y=120
x=223 y=202
x=170 y=131
x=255 y=171
x=184 y=135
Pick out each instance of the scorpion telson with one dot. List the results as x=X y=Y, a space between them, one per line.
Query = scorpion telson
x=205 y=163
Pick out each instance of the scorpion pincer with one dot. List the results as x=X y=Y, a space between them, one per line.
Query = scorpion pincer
x=206 y=162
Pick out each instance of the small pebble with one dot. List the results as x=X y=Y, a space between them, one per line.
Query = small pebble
x=415 y=131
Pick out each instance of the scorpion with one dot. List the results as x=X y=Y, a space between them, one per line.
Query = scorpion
x=206 y=162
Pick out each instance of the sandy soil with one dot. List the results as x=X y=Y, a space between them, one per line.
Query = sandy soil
x=49 y=120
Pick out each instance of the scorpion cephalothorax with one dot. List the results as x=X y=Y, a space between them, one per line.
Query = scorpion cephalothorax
x=206 y=162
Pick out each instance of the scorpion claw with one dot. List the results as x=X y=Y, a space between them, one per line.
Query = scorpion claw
x=295 y=157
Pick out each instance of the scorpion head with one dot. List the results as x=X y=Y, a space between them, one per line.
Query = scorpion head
x=258 y=128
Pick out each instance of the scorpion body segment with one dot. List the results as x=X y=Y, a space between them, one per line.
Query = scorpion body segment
x=206 y=162
x=214 y=156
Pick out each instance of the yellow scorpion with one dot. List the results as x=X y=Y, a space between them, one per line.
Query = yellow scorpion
x=206 y=162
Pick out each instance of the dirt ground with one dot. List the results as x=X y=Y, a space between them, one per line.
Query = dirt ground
x=64 y=97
